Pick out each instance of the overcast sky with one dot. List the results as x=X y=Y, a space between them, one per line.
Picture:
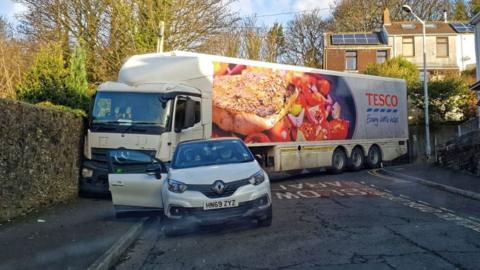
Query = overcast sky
x=245 y=8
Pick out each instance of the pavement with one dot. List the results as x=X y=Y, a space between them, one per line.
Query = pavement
x=439 y=175
x=72 y=235
x=399 y=217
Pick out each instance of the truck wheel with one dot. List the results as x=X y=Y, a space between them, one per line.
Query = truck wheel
x=339 y=160
x=357 y=159
x=374 y=157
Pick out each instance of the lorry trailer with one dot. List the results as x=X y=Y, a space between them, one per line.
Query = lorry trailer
x=290 y=117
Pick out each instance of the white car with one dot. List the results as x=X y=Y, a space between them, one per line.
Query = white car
x=209 y=181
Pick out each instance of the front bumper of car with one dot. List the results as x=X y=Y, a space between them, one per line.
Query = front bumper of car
x=253 y=202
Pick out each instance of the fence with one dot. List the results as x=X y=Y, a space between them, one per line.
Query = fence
x=468 y=126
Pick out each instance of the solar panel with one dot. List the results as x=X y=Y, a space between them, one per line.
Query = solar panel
x=462 y=27
x=355 y=39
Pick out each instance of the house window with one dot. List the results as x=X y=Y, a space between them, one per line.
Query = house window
x=408 y=47
x=351 y=60
x=381 y=56
x=442 y=46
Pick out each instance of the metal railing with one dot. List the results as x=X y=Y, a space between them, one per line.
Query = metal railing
x=468 y=126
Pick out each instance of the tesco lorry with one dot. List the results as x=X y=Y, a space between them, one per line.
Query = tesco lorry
x=291 y=117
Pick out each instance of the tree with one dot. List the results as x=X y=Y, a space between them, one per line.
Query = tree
x=252 y=39
x=227 y=43
x=460 y=11
x=366 y=15
x=46 y=81
x=304 y=40
x=77 y=74
x=474 y=7
x=274 y=43
x=115 y=29
x=14 y=58
x=397 y=67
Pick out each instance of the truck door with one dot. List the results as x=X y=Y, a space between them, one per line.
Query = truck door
x=135 y=179
x=187 y=109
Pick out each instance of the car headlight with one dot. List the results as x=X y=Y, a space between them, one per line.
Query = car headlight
x=257 y=178
x=86 y=172
x=176 y=186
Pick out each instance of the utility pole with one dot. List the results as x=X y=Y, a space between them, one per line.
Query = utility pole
x=161 y=31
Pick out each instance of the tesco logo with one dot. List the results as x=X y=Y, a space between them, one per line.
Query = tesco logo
x=375 y=99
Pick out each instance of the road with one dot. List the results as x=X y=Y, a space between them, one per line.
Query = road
x=361 y=220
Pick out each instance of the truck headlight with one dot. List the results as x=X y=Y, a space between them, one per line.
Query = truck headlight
x=257 y=178
x=86 y=172
x=176 y=186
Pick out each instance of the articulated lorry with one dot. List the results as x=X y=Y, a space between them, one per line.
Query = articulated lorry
x=291 y=117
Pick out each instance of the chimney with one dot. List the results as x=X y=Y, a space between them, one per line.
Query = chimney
x=445 y=16
x=386 y=17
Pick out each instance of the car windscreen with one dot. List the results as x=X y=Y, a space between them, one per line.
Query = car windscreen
x=207 y=153
x=122 y=109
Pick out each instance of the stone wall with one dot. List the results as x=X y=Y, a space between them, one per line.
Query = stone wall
x=462 y=153
x=40 y=154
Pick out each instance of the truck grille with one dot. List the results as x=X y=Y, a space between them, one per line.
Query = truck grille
x=230 y=188
x=100 y=154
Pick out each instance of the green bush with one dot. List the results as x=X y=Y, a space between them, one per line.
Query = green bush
x=76 y=112
x=450 y=99
x=398 y=67
x=47 y=80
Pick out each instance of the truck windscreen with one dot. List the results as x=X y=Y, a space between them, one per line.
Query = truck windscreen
x=130 y=112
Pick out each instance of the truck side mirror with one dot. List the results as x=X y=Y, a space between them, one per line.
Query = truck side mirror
x=189 y=113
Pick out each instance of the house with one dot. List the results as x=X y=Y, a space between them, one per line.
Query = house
x=352 y=52
x=450 y=47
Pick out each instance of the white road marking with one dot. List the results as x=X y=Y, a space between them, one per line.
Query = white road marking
x=440 y=212
x=423 y=202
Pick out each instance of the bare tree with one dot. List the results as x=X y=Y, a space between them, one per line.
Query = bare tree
x=304 y=40
x=13 y=60
x=366 y=15
x=115 y=29
x=227 y=43
x=252 y=39
x=274 y=43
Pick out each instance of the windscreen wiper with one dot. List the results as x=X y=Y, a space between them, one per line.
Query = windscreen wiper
x=133 y=124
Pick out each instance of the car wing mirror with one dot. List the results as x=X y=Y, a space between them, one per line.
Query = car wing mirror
x=157 y=171
x=259 y=159
x=189 y=113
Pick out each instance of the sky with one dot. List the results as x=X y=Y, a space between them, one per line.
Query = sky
x=264 y=9
x=270 y=7
x=8 y=9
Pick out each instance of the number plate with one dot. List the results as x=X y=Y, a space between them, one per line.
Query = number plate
x=220 y=204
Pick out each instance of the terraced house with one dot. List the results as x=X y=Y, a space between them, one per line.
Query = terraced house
x=450 y=46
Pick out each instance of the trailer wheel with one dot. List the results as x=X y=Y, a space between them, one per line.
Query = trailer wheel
x=374 y=157
x=357 y=159
x=339 y=160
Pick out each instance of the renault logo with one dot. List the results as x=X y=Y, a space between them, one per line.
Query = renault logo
x=218 y=186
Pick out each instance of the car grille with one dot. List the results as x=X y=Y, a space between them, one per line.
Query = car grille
x=100 y=154
x=230 y=188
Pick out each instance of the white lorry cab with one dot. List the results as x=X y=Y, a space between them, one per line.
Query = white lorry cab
x=291 y=117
